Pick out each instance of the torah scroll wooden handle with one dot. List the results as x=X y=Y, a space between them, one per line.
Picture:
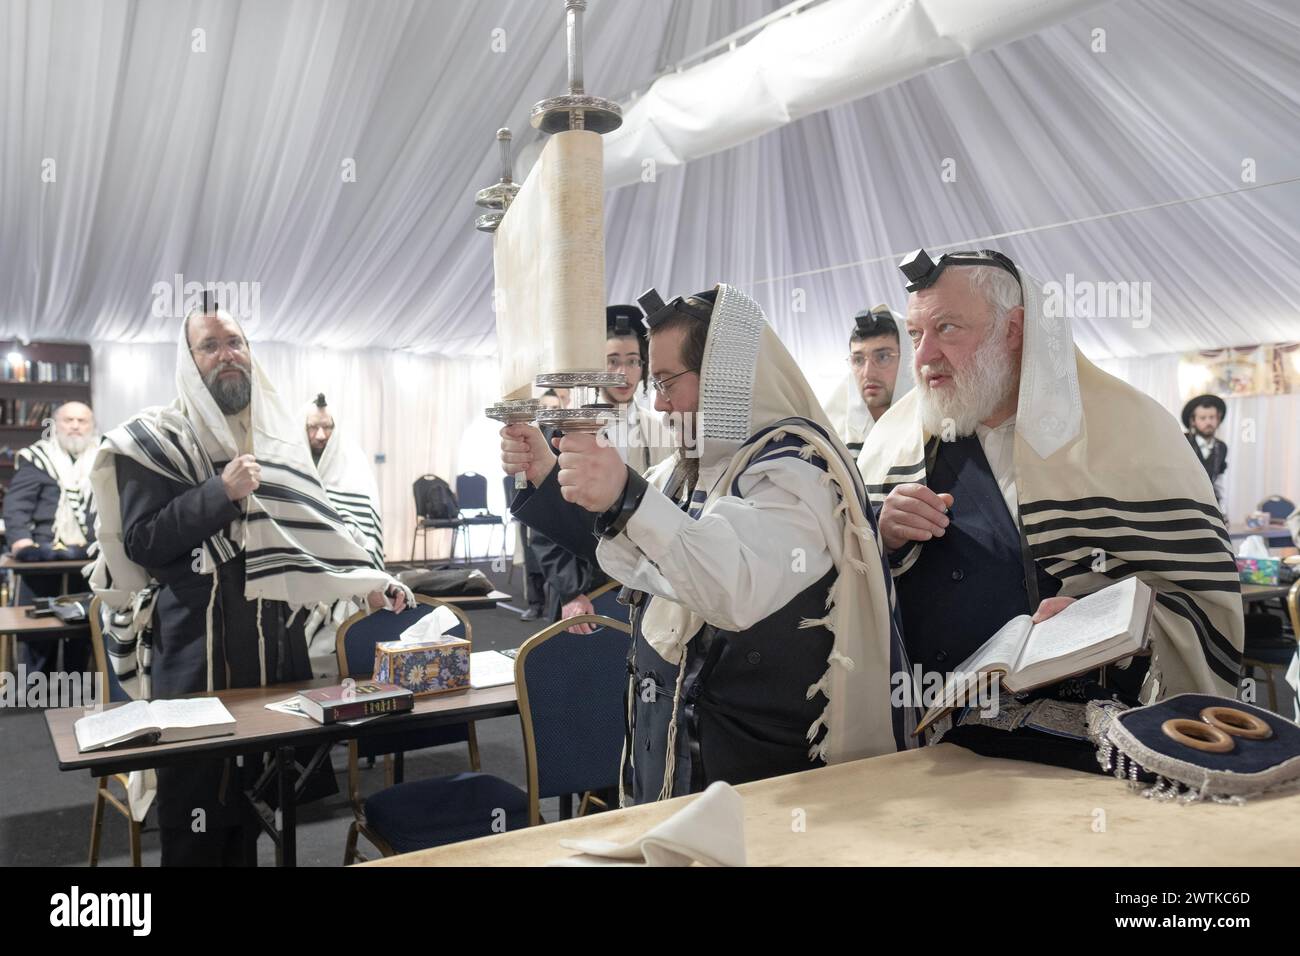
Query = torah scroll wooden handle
x=1198 y=735
x=1237 y=723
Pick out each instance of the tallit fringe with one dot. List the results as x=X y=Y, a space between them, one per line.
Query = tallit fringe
x=817 y=622
x=624 y=756
x=807 y=452
x=212 y=601
x=261 y=644
x=670 y=758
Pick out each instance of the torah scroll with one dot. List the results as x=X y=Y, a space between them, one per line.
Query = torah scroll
x=549 y=258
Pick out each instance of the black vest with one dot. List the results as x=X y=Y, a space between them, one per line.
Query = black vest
x=968 y=583
x=744 y=711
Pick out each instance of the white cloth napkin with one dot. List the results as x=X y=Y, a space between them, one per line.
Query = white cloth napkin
x=710 y=830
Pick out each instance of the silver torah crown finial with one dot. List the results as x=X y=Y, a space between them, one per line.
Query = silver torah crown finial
x=575 y=109
x=497 y=197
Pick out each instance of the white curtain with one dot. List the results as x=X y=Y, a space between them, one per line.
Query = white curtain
x=424 y=414
x=229 y=164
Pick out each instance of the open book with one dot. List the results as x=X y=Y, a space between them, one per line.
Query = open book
x=1106 y=626
x=157 y=721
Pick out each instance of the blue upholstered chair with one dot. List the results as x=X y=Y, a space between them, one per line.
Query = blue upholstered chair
x=471 y=493
x=1277 y=507
x=104 y=797
x=570 y=690
x=355 y=649
x=571 y=701
x=604 y=601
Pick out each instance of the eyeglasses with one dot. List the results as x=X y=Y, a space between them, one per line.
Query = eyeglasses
x=211 y=347
x=660 y=385
x=613 y=363
x=881 y=358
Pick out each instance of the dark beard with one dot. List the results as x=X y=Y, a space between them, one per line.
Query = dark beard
x=315 y=455
x=231 y=396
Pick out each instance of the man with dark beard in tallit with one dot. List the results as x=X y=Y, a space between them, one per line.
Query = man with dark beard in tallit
x=764 y=638
x=1017 y=477
x=215 y=534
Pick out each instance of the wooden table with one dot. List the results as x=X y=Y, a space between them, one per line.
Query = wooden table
x=938 y=806
x=1254 y=593
x=258 y=730
x=65 y=568
x=16 y=626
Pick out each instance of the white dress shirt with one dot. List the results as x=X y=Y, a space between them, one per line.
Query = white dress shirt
x=745 y=557
x=999 y=445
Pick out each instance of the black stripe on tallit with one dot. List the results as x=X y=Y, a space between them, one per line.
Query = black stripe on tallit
x=1106 y=522
x=1118 y=569
x=1213 y=644
x=1114 y=504
x=275 y=492
x=1127 y=543
x=144 y=439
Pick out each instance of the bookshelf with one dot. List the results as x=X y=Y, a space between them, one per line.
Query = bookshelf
x=34 y=379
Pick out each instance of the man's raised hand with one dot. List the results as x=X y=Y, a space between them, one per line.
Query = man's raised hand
x=523 y=448
x=913 y=512
x=241 y=477
x=592 y=473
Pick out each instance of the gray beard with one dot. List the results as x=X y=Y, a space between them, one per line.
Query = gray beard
x=74 y=445
x=978 y=391
x=231 y=396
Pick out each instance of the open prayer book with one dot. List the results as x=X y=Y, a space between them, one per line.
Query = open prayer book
x=1106 y=626
x=158 y=721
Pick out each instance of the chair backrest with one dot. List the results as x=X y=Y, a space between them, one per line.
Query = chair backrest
x=604 y=601
x=571 y=702
x=355 y=649
x=108 y=677
x=434 y=498
x=1277 y=507
x=471 y=491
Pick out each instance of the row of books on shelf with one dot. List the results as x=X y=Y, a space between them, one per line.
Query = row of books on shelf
x=29 y=371
x=20 y=411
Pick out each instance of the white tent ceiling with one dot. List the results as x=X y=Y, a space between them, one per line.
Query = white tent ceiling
x=227 y=166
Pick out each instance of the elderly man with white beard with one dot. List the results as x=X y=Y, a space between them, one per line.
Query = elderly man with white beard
x=1017 y=477
x=49 y=516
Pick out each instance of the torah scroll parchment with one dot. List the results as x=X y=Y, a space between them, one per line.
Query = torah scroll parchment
x=549 y=258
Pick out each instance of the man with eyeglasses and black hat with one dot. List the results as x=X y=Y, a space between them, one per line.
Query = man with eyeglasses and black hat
x=764 y=638
x=1018 y=477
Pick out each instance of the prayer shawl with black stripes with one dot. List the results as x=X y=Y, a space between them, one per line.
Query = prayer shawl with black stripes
x=349 y=482
x=298 y=548
x=73 y=479
x=752 y=395
x=1108 y=488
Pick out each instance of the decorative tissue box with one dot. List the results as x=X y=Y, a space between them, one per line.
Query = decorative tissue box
x=424 y=667
x=1258 y=570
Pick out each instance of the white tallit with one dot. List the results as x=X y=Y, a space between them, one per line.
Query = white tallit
x=73 y=478
x=749 y=382
x=349 y=481
x=1108 y=487
x=297 y=548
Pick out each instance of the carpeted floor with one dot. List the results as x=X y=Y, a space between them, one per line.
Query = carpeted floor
x=45 y=814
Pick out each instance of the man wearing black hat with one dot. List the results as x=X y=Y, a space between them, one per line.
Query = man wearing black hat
x=1202 y=417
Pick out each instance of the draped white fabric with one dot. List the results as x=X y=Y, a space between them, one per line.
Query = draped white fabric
x=418 y=411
